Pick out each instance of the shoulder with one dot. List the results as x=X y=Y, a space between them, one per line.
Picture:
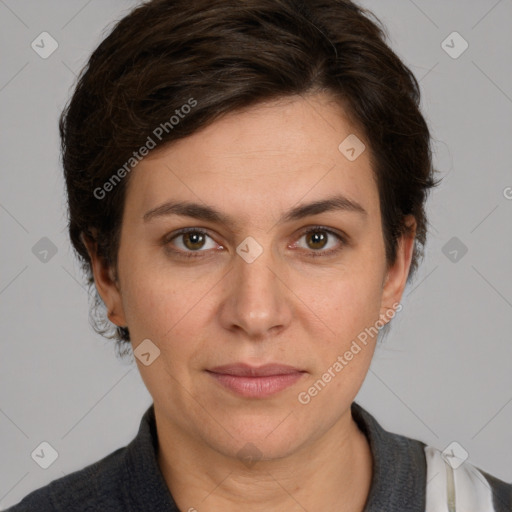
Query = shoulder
x=454 y=484
x=95 y=487
x=410 y=475
x=127 y=479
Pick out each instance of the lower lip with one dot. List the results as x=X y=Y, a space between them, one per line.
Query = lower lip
x=257 y=387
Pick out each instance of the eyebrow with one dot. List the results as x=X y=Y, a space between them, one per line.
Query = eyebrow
x=209 y=213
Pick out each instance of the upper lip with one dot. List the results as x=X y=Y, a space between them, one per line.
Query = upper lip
x=246 y=370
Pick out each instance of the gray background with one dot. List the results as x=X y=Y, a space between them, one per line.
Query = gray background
x=443 y=373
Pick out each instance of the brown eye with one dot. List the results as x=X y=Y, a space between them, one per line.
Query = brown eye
x=321 y=242
x=316 y=239
x=193 y=240
x=190 y=242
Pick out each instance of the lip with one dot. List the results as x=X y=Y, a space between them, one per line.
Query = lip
x=256 y=382
x=246 y=370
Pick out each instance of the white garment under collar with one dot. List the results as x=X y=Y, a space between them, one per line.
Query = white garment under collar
x=464 y=489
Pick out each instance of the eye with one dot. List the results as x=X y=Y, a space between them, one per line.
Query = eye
x=321 y=241
x=190 y=241
x=193 y=242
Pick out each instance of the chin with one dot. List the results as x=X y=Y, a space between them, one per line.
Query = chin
x=259 y=438
x=253 y=449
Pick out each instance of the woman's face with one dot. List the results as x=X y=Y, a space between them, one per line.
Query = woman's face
x=254 y=288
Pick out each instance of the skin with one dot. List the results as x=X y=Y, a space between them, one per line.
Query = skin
x=286 y=306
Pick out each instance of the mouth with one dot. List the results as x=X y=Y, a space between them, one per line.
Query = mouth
x=256 y=382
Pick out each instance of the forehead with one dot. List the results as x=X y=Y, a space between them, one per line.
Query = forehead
x=261 y=161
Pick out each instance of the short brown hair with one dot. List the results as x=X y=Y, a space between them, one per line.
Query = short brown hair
x=227 y=55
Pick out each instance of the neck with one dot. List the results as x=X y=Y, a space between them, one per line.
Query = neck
x=332 y=474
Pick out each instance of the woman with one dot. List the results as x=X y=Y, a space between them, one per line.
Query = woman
x=246 y=185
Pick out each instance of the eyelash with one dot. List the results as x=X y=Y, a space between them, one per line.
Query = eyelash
x=312 y=253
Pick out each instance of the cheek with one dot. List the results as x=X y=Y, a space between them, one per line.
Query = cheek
x=155 y=309
x=349 y=352
x=360 y=308
x=170 y=310
x=165 y=316
x=344 y=351
x=148 y=294
x=346 y=301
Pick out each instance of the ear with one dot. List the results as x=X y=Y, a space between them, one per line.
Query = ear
x=106 y=283
x=396 y=275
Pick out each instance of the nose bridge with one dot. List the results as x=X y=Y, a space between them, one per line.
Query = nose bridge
x=257 y=302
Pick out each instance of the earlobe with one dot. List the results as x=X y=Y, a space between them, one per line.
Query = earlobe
x=106 y=282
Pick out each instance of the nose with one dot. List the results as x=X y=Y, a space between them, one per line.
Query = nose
x=256 y=301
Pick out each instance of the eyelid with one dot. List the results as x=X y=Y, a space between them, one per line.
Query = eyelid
x=317 y=227
x=183 y=231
